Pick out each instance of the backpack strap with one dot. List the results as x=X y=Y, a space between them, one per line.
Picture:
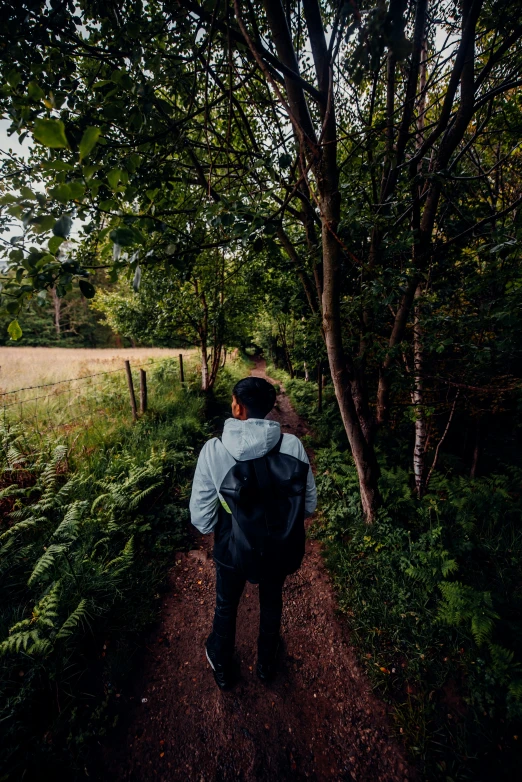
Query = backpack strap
x=265 y=484
x=277 y=446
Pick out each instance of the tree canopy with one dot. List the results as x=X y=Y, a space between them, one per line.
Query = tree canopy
x=368 y=154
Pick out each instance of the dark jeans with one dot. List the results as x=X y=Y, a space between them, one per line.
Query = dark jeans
x=229 y=588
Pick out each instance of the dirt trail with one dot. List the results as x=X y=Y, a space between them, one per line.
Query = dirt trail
x=319 y=720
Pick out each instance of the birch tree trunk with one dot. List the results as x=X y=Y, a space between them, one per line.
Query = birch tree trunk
x=204 y=365
x=419 y=450
x=57 y=306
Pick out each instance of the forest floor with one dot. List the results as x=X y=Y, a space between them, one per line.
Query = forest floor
x=319 y=719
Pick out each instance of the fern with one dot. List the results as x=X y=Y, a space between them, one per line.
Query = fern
x=30 y=634
x=46 y=562
x=461 y=603
x=68 y=527
x=515 y=689
x=9 y=491
x=78 y=616
x=15 y=458
x=20 y=527
x=124 y=560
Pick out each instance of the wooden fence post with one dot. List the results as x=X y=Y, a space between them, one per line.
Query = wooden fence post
x=131 y=390
x=319 y=387
x=181 y=373
x=143 y=391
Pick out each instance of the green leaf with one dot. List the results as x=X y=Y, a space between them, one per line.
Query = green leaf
x=14 y=78
x=87 y=289
x=113 y=178
x=54 y=244
x=14 y=330
x=132 y=162
x=34 y=91
x=123 y=236
x=63 y=226
x=77 y=190
x=285 y=161
x=88 y=142
x=109 y=205
x=27 y=193
x=57 y=165
x=42 y=223
x=61 y=193
x=51 y=133
x=89 y=172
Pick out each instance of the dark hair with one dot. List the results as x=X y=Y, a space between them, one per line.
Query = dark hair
x=256 y=394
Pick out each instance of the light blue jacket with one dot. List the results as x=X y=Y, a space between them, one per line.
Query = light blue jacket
x=241 y=440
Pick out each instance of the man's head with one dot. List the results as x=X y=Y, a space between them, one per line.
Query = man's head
x=252 y=397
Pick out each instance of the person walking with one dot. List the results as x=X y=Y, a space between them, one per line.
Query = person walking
x=253 y=488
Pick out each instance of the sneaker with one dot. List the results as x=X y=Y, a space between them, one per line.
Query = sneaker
x=225 y=674
x=268 y=649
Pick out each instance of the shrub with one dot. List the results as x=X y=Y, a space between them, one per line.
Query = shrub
x=432 y=594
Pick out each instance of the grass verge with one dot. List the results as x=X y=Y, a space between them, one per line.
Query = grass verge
x=90 y=524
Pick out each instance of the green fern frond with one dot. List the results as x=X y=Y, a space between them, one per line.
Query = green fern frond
x=8 y=491
x=501 y=656
x=97 y=501
x=68 y=527
x=14 y=457
x=46 y=562
x=448 y=566
x=482 y=627
x=515 y=689
x=462 y=604
x=138 y=498
x=124 y=560
x=16 y=528
x=77 y=617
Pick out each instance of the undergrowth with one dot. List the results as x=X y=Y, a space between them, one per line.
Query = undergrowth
x=433 y=595
x=88 y=532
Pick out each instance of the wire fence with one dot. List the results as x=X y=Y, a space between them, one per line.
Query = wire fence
x=66 y=405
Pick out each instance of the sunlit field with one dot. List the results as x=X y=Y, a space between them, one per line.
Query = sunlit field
x=60 y=391
x=22 y=367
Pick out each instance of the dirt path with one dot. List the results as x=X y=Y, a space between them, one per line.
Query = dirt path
x=319 y=720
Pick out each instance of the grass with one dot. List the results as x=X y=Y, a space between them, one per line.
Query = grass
x=91 y=520
x=92 y=393
x=25 y=366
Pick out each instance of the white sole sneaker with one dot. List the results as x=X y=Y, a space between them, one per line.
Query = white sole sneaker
x=208 y=658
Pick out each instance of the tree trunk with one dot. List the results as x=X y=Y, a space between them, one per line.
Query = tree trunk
x=288 y=360
x=57 y=306
x=204 y=365
x=476 y=450
x=362 y=451
x=326 y=172
x=215 y=362
x=419 y=450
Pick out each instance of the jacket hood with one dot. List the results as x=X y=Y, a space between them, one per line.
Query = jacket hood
x=250 y=439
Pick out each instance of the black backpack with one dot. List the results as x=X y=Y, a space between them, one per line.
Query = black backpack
x=264 y=532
